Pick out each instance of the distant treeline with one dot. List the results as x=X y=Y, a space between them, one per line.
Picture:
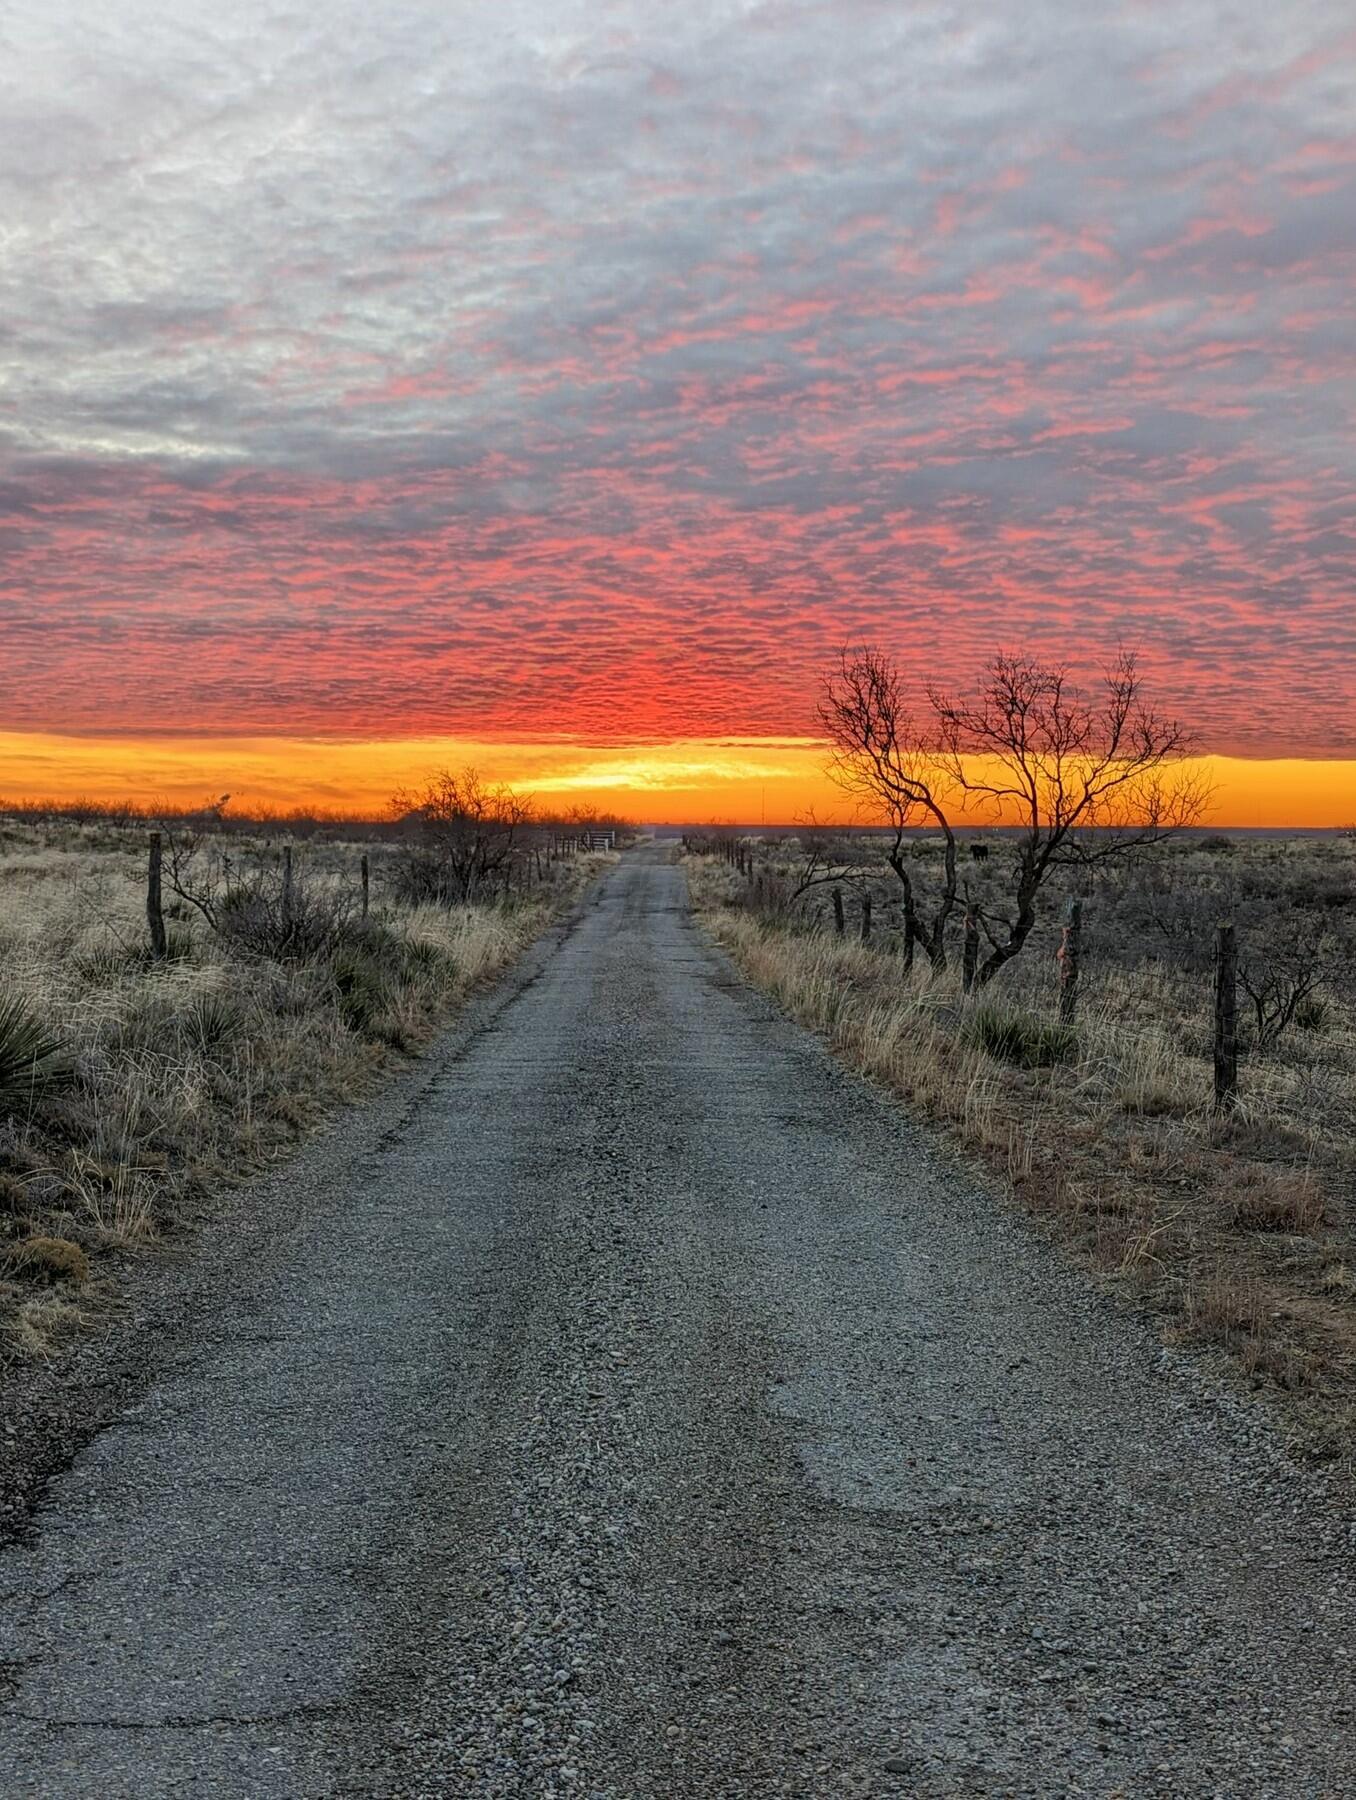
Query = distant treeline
x=297 y=822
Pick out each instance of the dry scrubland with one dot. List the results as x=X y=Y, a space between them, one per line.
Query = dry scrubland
x=170 y=1079
x=1238 y=1229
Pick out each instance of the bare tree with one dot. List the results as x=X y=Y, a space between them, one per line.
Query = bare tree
x=196 y=870
x=878 y=757
x=1281 y=976
x=466 y=833
x=783 y=872
x=817 y=856
x=259 y=904
x=1083 y=781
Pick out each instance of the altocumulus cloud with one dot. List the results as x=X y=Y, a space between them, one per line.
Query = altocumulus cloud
x=547 y=368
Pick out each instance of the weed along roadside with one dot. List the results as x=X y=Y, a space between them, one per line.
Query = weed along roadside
x=1173 y=1098
x=180 y=1006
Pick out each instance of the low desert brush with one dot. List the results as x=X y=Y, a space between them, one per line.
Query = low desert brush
x=1020 y=1038
x=49 y=1259
x=1262 y=1199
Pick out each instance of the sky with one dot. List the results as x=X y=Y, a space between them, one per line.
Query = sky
x=561 y=382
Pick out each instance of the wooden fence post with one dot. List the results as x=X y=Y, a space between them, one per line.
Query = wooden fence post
x=155 y=918
x=838 y=911
x=366 y=881
x=287 y=890
x=866 y=918
x=1226 y=1018
x=1070 y=952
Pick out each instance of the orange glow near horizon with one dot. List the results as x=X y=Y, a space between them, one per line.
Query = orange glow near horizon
x=688 y=781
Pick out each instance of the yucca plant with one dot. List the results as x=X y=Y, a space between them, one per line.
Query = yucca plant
x=211 y=1021
x=360 y=988
x=29 y=1054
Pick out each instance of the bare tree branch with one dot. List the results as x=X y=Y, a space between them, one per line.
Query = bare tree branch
x=878 y=758
x=1085 y=782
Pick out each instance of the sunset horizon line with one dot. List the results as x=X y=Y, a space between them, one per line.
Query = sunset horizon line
x=776 y=780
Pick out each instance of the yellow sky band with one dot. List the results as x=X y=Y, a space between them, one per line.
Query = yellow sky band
x=696 y=779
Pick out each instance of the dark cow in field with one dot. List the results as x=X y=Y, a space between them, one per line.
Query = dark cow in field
x=980 y=852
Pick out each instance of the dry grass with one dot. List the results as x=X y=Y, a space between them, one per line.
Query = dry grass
x=49 y=1259
x=1263 y=1199
x=1236 y=1230
x=190 y=1074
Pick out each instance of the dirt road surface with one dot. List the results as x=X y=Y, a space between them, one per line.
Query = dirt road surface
x=636 y=1404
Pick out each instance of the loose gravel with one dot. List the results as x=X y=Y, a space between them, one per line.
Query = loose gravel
x=637 y=1404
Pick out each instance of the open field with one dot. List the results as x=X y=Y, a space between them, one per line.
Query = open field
x=165 y=1079
x=1237 y=1227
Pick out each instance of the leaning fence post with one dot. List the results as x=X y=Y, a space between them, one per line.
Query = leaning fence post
x=838 y=911
x=1070 y=949
x=366 y=872
x=155 y=918
x=1226 y=1017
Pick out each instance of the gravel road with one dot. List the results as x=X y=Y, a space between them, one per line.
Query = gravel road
x=636 y=1404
